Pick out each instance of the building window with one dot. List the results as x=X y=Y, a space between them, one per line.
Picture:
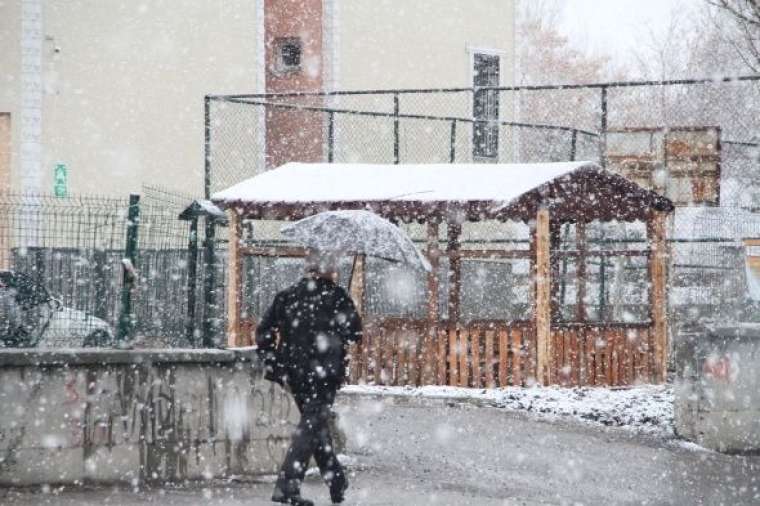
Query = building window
x=288 y=54
x=485 y=107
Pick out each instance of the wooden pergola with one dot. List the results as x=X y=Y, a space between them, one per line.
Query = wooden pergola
x=483 y=353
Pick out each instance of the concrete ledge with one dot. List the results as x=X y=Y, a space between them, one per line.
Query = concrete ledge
x=21 y=357
x=104 y=416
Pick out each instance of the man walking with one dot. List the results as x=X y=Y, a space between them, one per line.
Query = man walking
x=303 y=338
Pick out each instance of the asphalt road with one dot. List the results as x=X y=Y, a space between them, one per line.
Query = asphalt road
x=410 y=453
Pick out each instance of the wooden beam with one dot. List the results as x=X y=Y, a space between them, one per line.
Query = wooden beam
x=356 y=291
x=493 y=254
x=234 y=281
x=542 y=315
x=433 y=254
x=580 y=272
x=356 y=283
x=555 y=245
x=273 y=251
x=455 y=271
x=427 y=375
x=658 y=268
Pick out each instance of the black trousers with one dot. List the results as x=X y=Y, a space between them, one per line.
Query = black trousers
x=311 y=438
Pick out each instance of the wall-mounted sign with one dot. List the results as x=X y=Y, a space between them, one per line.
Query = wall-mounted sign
x=60 y=180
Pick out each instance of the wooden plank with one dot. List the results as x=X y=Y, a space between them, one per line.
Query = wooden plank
x=503 y=356
x=631 y=340
x=542 y=316
x=588 y=365
x=380 y=341
x=520 y=362
x=453 y=358
x=391 y=356
x=415 y=342
x=464 y=369
x=489 y=359
x=656 y=228
x=366 y=345
x=403 y=360
x=234 y=281
x=611 y=357
x=477 y=380
x=442 y=345
x=650 y=360
x=600 y=353
x=575 y=357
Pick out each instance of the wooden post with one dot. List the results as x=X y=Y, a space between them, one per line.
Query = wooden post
x=658 y=267
x=356 y=284
x=431 y=333
x=542 y=315
x=455 y=274
x=580 y=272
x=356 y=290
x=234 y=281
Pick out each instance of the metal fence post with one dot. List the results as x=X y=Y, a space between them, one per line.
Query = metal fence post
x=127 y=318
x=101 y=284
x=209 y=287
x=192 y=280
x=603 y=130
x=330 y=137
x=207 y=147
x=573 y=144
x=453 y=147
x=396 y=133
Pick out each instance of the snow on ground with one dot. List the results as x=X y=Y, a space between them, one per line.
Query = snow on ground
x=645 y=409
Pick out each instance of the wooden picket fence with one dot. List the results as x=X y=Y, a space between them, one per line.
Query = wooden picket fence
x=410 y=352
x=498 y=354
x=611 y=355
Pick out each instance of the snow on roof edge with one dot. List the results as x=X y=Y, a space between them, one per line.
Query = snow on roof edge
x=304 y=182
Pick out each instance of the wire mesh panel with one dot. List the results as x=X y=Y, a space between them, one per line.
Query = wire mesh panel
x=72 y=250
x=237 y=142
x=363 y=139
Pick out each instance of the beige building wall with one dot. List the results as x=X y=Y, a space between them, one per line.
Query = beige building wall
x=124 y=84
x=421 y=44
x=10 y=89
x=386 y=44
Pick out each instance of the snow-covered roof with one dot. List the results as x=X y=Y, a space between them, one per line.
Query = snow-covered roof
x=324 y=182
x=573 y=190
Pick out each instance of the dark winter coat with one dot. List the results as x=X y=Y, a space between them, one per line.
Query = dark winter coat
x=316 y=320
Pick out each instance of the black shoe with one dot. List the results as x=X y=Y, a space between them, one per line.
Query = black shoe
x=294 y=499
x=338 y=490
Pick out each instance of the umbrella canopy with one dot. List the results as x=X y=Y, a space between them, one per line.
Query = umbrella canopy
x=358 y=233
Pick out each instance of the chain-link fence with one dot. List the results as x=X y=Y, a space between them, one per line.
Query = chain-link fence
x=247 y=134
x=697 y=141
x=62 y=262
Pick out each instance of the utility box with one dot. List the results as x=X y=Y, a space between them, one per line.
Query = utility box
x=717 y=389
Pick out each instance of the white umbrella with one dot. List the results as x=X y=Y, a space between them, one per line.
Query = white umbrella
x=357 y=233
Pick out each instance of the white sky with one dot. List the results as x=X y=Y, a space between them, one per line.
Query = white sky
x=612 y=27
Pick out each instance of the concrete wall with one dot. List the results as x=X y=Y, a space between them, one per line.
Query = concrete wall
x=717 y=389
x=138 y=416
